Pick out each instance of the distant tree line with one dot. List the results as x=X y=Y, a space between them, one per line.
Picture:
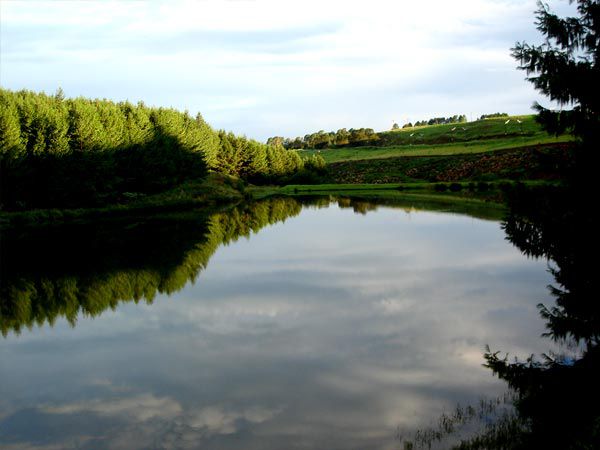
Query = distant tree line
x=354 y=137
x=438 y=121
x=493 y=116
x=58 y=152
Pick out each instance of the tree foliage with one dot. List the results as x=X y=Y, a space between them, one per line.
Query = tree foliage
x=558 y=396
x=560 y=391
x=493 y=115
x=328 y=139
x=442 y=120
x=353 y=137
x=565 y=68
x=57 y=152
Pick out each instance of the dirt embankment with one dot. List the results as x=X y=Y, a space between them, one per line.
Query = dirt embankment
x=544 y=162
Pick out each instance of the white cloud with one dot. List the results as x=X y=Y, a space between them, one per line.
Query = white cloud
x=141 y=407
x=220 y=420
x=272 y=67
x=214 y=419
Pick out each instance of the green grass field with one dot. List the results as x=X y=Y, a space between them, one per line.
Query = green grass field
x=457 y=148
x=439 y=140
x=456 y=167
x=546 y=162
x=469 y=131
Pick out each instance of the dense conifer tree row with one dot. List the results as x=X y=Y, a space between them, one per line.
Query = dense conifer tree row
x=35 y=124
x=58 y=152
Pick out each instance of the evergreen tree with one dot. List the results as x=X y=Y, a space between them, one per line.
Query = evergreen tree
x=560 y=393
x=207 y=140
x=58 y=152
x=113 y=122
x=258 y=160
x=86 y=131
x=565 y=68
x=137 y=125
x=11 y=144
x=56 y=129
x=59 y=95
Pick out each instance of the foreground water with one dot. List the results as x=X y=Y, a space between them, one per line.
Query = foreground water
x=334 y=328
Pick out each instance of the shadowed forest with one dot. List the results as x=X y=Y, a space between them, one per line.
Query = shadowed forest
x=73 y=153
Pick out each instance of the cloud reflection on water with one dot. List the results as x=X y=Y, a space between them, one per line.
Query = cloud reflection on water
x=327 y=331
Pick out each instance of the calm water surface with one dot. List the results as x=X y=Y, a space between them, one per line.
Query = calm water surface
x=330 y=329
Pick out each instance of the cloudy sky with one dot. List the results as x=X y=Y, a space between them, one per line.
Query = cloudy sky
x=264 y=68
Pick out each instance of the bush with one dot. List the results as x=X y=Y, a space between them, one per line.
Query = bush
x=305 y=176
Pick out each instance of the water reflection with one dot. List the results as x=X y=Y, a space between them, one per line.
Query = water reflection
x=327 y=331
x=88 y=268
x=559 y=391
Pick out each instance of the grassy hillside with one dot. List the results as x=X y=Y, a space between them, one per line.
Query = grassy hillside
x=469 y=131
x=445 y=140
x=547 y=162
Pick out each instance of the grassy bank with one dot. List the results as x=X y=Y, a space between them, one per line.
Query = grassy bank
x=482 y=200
x=526 y=163
x=456 y=163
x=443 y=140
x=213 y=192
x=449 y=149
x=498 y=127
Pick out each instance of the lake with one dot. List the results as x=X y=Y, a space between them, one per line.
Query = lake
x=330 y=324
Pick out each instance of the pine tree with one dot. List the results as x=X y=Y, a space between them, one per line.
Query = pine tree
x=138 y=128
x=85 y=128
x=565 y=68
x=11 y=143
x=258 y=159
x=560 y=392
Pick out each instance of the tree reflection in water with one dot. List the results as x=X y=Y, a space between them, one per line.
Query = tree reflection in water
x=85 y=269
x=556 y=397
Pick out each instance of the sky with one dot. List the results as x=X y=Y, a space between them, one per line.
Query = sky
x=263 y=68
